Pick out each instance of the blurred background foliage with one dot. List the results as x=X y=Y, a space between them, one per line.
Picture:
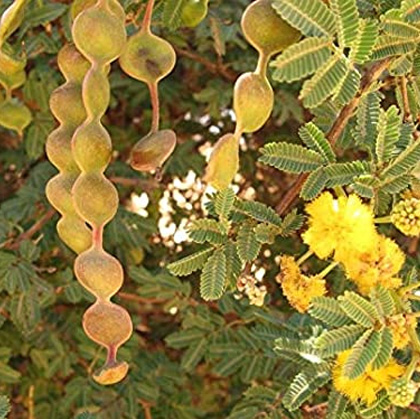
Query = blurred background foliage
x=189 y=359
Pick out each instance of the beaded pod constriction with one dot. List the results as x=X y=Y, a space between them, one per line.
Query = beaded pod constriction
x=253 y=97
x=67 y=106
x=149 y=58
x=99 y=34
x=14 y=114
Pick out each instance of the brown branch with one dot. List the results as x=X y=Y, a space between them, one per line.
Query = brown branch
x=146 y=408
x=213 y=67
x=14 y=244
x=370 y=77
x=406 y=103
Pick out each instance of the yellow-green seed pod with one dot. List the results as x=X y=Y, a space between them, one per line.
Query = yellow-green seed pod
x=92 y=147
x=11 y=19
x=10 y=64
x=95 y=198
x=66 y=104
x=12 y=81
x=194 y=12
x=99 y=35
x=72 y=64
x=224 y=162
x=96 y=92
x=253 y=101
x=265 y=30
x=151 y=152
x=74 y=233
x=14 y=116
x=58 y=191
x=147 y=57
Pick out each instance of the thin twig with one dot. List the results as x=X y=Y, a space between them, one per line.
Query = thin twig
x=213 y=67
x=371 y=76
x=146 y=407
x=28 y=234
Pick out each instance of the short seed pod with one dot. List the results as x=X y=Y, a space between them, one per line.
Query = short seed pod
x=194 y=12
x=224 y=162
x=15 y=116
x=153 y=150
x=253 y=101
x=265 y=30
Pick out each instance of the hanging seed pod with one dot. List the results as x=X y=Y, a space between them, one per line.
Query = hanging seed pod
x=14 y=115
x=99 y=34
x=194 y=12
x=149 y=58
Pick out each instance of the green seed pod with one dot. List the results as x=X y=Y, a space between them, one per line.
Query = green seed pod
x=72 y=64
x=12 y=81
x=105 y=29
x=15 y=116
x=265 y=30
x=58 y=192
x=95 y=198
x=92 y=147
x=194 y=12
x=147 y=57
x=69 y=93
x=96 y=92
x=10 y=64
x=253 y=101
x=74 y=233
x=78 y=6
x=224 y=162
x=11 y=19
x=94 y=265
x=151 y=152
x=58 y=149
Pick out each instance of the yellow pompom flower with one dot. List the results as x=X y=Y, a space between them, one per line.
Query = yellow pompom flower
x=365 y=387
x=399 y=325
x=340 y=226
x=406 y=216
x=379 y=266
x=298 y=288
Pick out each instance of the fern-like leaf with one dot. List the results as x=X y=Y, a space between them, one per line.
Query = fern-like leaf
x=328 y=310
x=248 y=245
x=339 y=340
x=337 y=404
x=411 y=10
x=290 y=157
x=207 y=230
x=5 y=407
x=405 y=162
x=383 y=301
x=339 y=174
x=389 y=46
x=360 y=310
x=363 y=353
x=385 y=349
x=347 y=20
x=259 y=212
x=302 y=59
x=364 y=42
x=312 y=18
x=349 y=87
x=171 y=15
x=291 y=223
x=213 y=277
x=324 y=83
x=190 y=264
x=223 y=202
x=315 y=139
x=305 y=384
x=233 y=264
x=388 y=134
x=314 y=184
x=394 y=25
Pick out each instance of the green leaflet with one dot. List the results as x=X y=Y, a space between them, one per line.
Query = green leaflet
x=337 y=404
x=360 y=310
x=5 y=407
x=385 y=349
x=364 y=42
x=383 y=301
x=315 y=139
x=207 y=230
x=291 y=223
x=259 y=212
x=388 y=134
x=347 y=20
x=290 y=157
x=394 y=25
x=305 y=384
x=348 y=88
x=314 y=184
x=301 y=59
x=233 y=264
x=190 y=264
x=339 y=340
x=248 y=245
x=389 y=46
x=213 y=277
x=363 y=353
x=325 y=82
x=339 y=174
x=171 y=15
x=224 y=202
x=405 y=162
x=411 y=10
x=312 y=18
x=328 y=310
